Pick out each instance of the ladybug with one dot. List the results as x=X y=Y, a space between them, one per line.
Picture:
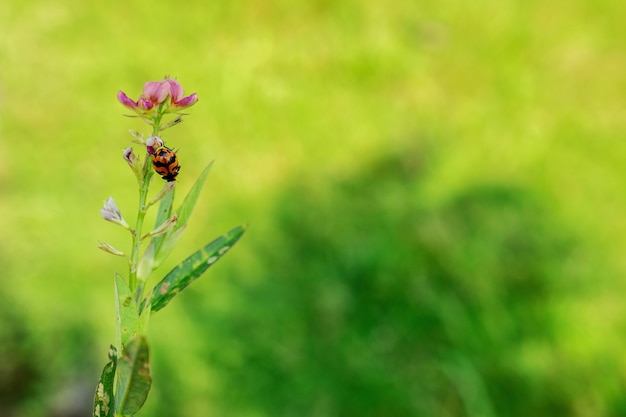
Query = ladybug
x=165 y=163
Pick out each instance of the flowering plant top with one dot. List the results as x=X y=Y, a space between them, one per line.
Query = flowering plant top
x=126 y=378
x=157 y=98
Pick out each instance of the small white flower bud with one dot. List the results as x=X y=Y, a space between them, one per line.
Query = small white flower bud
x=111 y=213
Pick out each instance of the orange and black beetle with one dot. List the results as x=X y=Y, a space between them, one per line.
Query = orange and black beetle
x=165 y=163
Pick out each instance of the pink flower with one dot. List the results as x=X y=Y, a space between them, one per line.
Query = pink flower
x=176 y=95
x=156 y=93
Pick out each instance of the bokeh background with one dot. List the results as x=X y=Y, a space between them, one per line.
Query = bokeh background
x=435 y=192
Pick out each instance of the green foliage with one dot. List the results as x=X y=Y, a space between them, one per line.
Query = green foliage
x=132 y=372
x=377 y=304
x=104 y=401
x=133 y=377
x=164 y=213
x=188 y=204
x=192 y=268
x=161 y=246
x=127 y=315
x=164 y=244
x=521 y=104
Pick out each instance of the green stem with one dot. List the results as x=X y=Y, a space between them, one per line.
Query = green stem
x=141 y=214
x=144 y=185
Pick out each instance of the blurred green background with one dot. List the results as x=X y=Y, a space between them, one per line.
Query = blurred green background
x=435 y=193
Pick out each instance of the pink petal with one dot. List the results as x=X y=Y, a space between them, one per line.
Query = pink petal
x=123 y=98
x=156 y=91
x=187 y=101
x=176 y=90
x=145 y=104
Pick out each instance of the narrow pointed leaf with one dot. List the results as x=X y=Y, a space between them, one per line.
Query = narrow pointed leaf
x=146 y=264
x=191 y=268
x=126 y=308
x=144 y=319
x=186 y=208
x=103 y=402
x=164 y=213
x=133 y=377
x=165 y=243
x=168 y=245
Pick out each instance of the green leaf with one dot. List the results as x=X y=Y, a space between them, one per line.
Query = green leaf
x=168 y=244
x=186 y=208
x=133 y=377
x=165 y=243
x=103 y=398
x=144 y=319
x=164 y=213
x=126 y=309
x=191 y=268
x=146 y=264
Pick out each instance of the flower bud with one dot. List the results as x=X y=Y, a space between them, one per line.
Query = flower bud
x=133 y=161
x=167 y=187
x=172 y=123
x=153 y=143
x=110 y=249
x=111 y=213
x=164 y=228
x=138 y=137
